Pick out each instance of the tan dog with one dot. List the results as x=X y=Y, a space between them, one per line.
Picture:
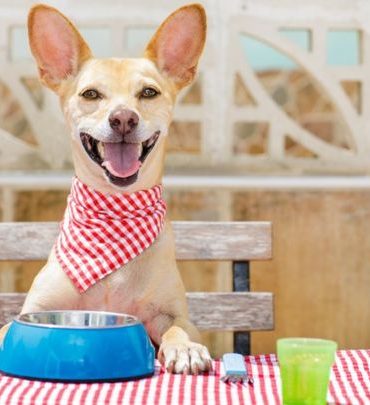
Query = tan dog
x=105 y=98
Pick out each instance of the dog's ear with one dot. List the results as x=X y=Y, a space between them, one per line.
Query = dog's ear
x=178 y=43
x=56 y=44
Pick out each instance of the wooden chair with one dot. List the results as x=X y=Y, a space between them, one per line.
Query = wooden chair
x=240 y=311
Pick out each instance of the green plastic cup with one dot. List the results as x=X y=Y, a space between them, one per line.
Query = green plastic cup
x=305 y=369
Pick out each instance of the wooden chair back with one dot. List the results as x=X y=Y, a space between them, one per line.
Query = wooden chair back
x=240 y=311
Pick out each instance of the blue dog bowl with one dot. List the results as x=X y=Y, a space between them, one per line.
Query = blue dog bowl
x=77 y=346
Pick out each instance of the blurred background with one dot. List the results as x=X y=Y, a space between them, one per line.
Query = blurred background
x=276 y=128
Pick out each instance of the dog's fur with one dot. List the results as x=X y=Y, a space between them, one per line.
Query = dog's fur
x=149 y=286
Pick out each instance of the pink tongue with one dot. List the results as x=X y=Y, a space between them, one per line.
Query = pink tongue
x=122 y=159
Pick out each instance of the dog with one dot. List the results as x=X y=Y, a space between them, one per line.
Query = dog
x=126 y=102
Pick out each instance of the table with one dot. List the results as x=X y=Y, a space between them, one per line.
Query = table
x=349 y=384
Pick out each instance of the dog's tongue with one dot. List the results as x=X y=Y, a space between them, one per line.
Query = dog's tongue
x=122 y=159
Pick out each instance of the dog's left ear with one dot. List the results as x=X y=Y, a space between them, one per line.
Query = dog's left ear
x=178 y=43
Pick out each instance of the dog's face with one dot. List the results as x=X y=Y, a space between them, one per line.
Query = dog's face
x=118 y=110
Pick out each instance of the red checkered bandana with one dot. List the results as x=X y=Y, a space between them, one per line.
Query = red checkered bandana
x=102 y=232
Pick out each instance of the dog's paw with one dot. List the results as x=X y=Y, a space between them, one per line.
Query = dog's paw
x=185 y=358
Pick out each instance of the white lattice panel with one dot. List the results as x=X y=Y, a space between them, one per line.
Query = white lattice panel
x=122 y=28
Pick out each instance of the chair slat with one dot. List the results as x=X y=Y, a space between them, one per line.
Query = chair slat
x=231 y=311
x=194 y=240
x=208 y=311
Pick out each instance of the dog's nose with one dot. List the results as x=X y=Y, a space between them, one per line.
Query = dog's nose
x=123 y=121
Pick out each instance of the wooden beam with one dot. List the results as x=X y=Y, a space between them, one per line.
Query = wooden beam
x=194 y=240
x=231 y=311
x=208 y=311
x=26 y=181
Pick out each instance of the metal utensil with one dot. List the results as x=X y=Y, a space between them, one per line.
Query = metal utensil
x=235 y=369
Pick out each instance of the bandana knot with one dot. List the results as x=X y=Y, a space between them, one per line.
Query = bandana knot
x=102 y=232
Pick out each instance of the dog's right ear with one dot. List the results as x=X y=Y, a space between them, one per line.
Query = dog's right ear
x=56 y=44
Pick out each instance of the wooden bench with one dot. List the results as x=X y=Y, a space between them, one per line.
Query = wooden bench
x=240 y=311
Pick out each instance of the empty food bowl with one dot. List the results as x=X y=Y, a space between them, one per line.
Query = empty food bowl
x=77 y=346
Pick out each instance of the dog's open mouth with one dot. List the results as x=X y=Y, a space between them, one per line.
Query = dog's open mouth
x=121 y=161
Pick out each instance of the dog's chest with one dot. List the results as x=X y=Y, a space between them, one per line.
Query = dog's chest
x=123 y=291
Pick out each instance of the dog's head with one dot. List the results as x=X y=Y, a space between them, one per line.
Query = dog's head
x=118 y=109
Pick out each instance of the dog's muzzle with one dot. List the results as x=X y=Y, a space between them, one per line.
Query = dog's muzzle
x=121 y=161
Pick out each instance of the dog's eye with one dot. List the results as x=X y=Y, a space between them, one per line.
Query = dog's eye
x=149 y=92
x=90 y=94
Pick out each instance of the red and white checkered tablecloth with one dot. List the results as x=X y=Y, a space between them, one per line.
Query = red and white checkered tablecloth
x=349 y=384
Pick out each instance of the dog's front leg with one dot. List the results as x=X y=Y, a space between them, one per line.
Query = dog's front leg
x=180 y=351
x=3 y=331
